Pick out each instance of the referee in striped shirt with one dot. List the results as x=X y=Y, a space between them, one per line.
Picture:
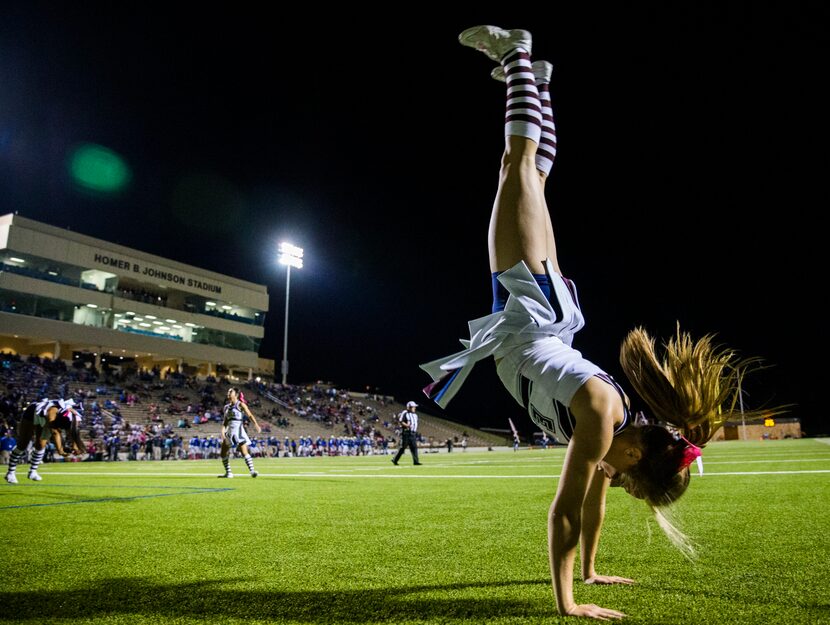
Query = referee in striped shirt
x=408 y=420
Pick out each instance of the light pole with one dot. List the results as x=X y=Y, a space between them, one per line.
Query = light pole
x=290 y=256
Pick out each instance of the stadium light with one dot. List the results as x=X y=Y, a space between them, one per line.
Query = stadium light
x=290 y=256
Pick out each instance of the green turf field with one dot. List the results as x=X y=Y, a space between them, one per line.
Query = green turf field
x=461 y=539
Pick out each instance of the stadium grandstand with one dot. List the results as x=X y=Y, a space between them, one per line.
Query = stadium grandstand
x=66 y=295
x=149 y=347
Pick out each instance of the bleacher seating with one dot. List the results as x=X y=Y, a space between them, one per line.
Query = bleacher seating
x=308 y=411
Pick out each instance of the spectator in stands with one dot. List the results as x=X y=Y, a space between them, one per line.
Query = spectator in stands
x=113 y=448
x=43 y=421
x=91 y=451
x=234 y=435
x=408 y=420
x=135 y=446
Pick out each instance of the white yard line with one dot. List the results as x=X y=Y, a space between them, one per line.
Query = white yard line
x=395 y=477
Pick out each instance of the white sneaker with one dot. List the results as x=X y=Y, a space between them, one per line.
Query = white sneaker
x=254 y=473
x=495 y=42
x=226 y=475
x=542 y=71
x=35 y=476
x=11 y=477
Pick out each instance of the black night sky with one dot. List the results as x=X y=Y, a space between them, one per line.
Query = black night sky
x=689 y=186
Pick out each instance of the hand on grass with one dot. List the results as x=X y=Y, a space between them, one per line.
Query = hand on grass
x=590 y=610
x=608 y=579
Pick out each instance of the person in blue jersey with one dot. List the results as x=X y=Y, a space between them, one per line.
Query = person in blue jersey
x=234 y=435
x=194 y=449
x=204 y=446
x=7 y=444
x=692 y=386
x=43 y=421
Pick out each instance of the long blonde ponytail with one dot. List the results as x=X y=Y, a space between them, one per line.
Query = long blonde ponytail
x=695 y=386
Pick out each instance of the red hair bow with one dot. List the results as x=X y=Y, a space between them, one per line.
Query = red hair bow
x=690 y=454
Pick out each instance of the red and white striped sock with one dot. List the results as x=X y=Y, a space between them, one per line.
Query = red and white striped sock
x=547 y=145
x=524 y=111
